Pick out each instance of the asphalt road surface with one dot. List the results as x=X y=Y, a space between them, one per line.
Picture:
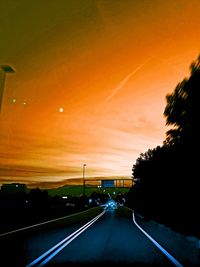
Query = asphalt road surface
x=110 y=238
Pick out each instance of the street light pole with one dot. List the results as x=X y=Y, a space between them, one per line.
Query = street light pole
x=4 y=69
x=84 y=165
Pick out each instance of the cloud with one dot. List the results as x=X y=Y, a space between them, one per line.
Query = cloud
x=28 y=171
x=123 y=82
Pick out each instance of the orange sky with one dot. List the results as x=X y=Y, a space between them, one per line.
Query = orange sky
x=108 y=64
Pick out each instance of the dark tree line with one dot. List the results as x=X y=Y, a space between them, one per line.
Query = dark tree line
x=167 y=177
x=23 y=207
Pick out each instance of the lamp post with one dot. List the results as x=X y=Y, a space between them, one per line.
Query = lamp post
x=84 y=165
x=4 y=69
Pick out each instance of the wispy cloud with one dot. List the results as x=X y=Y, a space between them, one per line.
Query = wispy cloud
x=123 y=82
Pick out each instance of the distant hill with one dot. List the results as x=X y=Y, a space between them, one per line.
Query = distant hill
x=76 y=182
x=77 y=190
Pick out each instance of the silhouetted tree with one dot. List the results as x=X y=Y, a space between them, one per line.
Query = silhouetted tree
x=38 y=198
x=166 y=180
x=182 y=109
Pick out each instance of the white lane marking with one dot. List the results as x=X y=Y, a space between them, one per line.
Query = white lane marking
x=38 y=224
x=68 y=242
x=60 y=243
x=169 y=256
x=60 y=246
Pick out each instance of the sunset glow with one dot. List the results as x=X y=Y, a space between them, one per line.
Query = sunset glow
x=90 y=83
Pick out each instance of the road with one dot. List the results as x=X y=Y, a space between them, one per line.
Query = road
x=112 y=237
